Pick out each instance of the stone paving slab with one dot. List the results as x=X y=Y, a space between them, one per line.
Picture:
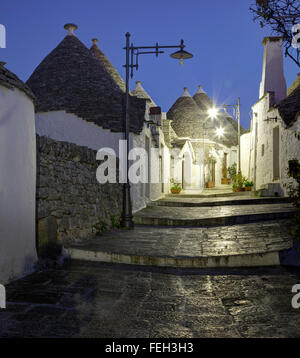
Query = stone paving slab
x=212 y=216
x=116 y=301
x=175 y=201
x=240 y=245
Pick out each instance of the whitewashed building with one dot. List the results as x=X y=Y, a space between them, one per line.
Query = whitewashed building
x=273 y=139
x=195 y=133
x=17 y=177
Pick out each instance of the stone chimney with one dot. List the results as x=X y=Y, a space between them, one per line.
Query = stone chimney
x=272 y=74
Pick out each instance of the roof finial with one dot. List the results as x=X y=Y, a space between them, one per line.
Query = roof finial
x=94 y=41
x=185 y=92
x=200 y=89
x=138 y=83
x=71 y=28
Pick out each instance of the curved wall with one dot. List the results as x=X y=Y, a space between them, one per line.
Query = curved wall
x=17 y=185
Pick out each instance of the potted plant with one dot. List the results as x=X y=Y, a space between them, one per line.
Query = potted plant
x=224 y=180
x=238 y=183
x=235 y=187
x=210 y=184
x=175 y=187
x=248 y=185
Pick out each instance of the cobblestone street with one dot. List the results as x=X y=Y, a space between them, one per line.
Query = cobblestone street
x=85 y=299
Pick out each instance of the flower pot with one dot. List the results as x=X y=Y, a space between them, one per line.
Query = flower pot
x=175 y=191
x=238 y=189
x=225 y=181
x=210 y=184
x=248 y=188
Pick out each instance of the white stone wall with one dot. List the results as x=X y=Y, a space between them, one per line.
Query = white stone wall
x=139 y=191
x=177 y=170
x=233 y=154
x=17 y=185
x=263 y=144
x=138 y=196
x=246 y=140
x=67 y=127
x=167 y=168
x=289 y=145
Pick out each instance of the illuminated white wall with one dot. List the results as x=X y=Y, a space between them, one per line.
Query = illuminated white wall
x=17 y=185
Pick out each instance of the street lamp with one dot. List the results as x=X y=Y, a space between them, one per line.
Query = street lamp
x=220 y=132
x=181 y=54
x=131 y=52
x=213 y=113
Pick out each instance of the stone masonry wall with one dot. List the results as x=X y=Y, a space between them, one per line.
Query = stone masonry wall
x=71 y=204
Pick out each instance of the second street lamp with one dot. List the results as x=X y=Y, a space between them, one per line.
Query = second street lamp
x=213 y=112
x=131 y=52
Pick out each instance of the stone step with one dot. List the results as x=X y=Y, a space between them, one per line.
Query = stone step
x=204 y=202
x=212 y=216
x=213 y=195
x=256 y=244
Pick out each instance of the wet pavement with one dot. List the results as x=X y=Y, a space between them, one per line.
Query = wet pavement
x=213 y=215
x=85 y=299
x=192 y=242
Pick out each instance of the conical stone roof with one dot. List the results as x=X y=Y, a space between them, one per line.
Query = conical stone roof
x=203 y=101
x=186 y=117
x=107 y=65
x=71 y=78
x=289 y=108
x=190 y=119
x=9 y=80
x=140 y=92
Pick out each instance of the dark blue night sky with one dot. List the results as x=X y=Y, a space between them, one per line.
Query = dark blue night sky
x=226 y=43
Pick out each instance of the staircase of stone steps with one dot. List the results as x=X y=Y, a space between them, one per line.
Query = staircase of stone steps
x=173 y=201
x=182 y=232
x=212 y=194
x=206 y=212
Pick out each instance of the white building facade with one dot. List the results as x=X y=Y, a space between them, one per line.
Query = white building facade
x=18 y=178
x=274 y=134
